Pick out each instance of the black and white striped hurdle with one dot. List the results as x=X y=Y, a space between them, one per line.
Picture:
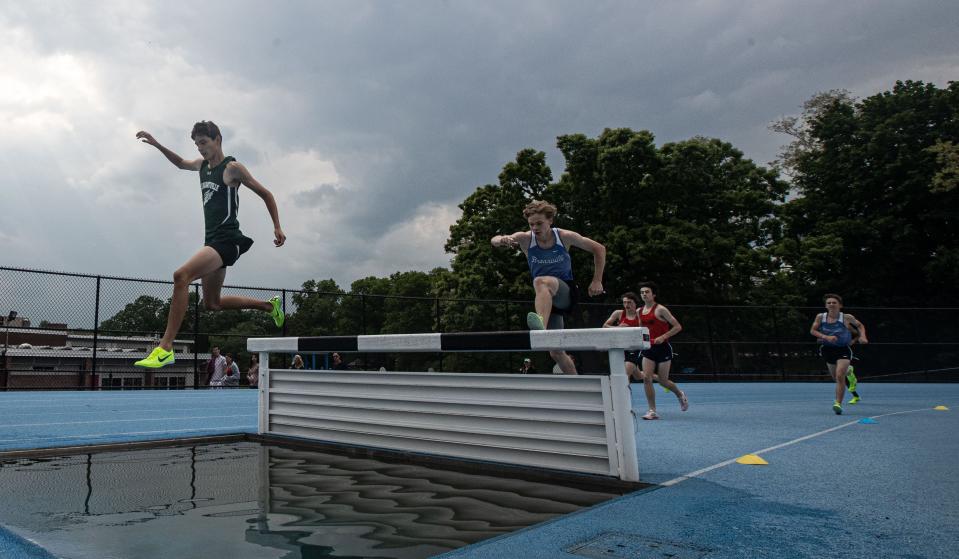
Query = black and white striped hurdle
x=587 y=339
x=571 y=423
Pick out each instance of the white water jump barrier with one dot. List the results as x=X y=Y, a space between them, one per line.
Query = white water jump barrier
x=581 y=424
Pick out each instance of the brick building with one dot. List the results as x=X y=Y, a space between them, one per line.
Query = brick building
x=56 y=358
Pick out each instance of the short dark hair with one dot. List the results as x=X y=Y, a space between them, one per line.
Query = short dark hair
x=630 y=295
x=651 y=285
x=206 y=128
x=832 y=296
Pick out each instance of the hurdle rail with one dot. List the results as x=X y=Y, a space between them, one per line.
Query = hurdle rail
x=571 y=423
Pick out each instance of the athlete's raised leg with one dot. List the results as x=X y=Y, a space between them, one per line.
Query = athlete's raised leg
x=546 y=288
x=214 y=301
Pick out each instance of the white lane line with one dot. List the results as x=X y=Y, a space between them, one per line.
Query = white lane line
x=725 y=463
x=117 y=410
x=137 y=420
x=236 y=429
x=58 y=402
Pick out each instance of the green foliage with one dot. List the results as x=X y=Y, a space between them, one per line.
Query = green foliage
x=875 y=215
x=144 y=315
x=317 y=307
x=693 y=215
x=869 y=212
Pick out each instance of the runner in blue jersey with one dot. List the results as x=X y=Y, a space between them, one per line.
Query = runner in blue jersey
x=546 y=250
x=835 y=331
x=220 y=181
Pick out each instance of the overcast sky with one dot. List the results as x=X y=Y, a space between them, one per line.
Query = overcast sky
x=371 y=121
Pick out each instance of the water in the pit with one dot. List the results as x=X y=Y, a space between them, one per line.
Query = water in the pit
x=246 y=500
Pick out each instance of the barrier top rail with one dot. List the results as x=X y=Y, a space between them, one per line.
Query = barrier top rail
x=585 y=339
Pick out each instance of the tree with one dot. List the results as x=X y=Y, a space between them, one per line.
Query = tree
x=361 y=311
x=695 y=216
x=144 y=315
x=874 y=217
x=317 y=307
x=478 y=271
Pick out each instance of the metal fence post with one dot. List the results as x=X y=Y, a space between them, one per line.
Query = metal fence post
x=196 y=337
x=509 y=355
x=284 y=313
x=439 y=327
x=362 y=313
x=779 y=346
x=709 y=337
x=919 y=342
x=96 y=330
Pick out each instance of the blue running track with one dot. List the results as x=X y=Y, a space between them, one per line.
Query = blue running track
x=833 y=486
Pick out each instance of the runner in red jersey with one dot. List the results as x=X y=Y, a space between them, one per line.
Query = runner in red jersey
x=658 y=358
x=627 y=316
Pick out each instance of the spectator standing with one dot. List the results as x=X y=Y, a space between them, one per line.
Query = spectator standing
x=253 y=373
x=216 y=367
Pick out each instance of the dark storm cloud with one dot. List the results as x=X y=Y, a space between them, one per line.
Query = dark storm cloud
x=418 y=103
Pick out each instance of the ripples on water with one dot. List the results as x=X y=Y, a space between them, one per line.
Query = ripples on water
x=248 y=500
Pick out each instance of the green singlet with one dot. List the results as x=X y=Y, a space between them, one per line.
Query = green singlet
x=221 y=204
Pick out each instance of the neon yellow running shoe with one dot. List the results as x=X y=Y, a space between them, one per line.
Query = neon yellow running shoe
x=851 y=377
x=837 y=408
x=159 y=357
x=535 y=321
x=279 y=317
x=855 y=400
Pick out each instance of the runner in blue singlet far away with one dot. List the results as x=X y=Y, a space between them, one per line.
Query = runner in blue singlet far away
x=550 y=265
x=835 y=331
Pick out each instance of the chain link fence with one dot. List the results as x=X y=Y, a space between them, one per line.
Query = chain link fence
x=75 y=331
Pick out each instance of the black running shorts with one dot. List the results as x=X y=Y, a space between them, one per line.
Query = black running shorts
x=659 y=353
x=231 y=250
x=832 y=353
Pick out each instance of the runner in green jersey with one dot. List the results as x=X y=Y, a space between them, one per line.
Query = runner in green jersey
x=220 y=180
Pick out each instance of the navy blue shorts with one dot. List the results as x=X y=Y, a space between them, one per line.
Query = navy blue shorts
x=231 y=250
x=833 y=353
x=658 y=353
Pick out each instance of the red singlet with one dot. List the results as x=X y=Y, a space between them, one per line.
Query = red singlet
x=626 y=321
x=656 y=326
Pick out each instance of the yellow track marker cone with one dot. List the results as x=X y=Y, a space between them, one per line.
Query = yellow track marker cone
x=941 y=408
x=751 y=460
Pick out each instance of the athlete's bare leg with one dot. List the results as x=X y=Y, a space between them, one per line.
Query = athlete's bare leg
x=564 y=361
x=649 y=369
x=546 y=288
x=213 y=301
x=838 y=372
x=205 y=261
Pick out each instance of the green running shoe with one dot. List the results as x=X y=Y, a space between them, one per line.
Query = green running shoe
x=855 y=400
x=277 y=313
x=535 y=321
x=851 y=377
x=159 y=357
x=837 y=408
